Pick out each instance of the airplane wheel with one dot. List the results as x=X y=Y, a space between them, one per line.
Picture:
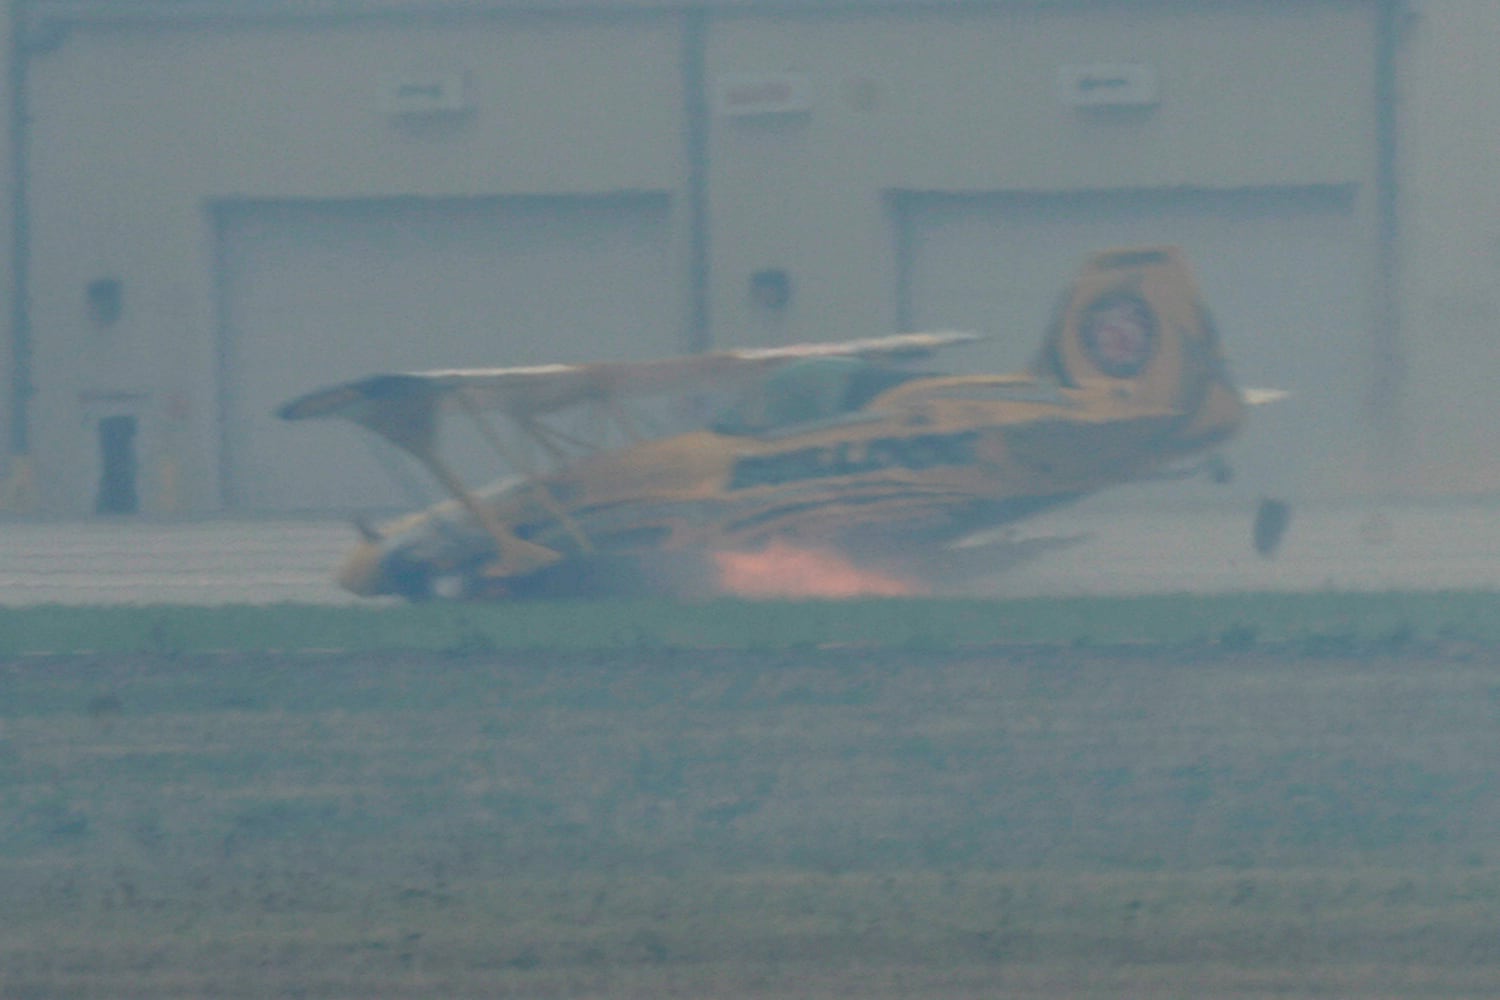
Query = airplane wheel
x=1271 y=520
x=411 y=583
x=476 y=587
x=1220 y=471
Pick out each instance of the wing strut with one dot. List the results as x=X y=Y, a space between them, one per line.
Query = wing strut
x=516 y=554
x=410 y=423
x=543 y=494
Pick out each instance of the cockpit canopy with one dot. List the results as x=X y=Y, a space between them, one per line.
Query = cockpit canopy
x=806 y=392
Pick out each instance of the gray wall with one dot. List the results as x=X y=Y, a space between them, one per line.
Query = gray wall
x=146 y=125
x=1451 y=245
x=1251 y=94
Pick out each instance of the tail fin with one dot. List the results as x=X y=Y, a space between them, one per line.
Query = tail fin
x=1134 y=320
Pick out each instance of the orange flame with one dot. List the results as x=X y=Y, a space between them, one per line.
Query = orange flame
x=784 y=570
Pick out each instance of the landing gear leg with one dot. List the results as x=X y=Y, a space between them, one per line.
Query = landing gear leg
x=1271 y=520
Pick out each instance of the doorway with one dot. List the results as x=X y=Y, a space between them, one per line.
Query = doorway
x=118 y=467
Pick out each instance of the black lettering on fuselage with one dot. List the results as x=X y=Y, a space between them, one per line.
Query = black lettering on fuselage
x=852 y=458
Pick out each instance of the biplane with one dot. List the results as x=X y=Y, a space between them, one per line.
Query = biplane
x=861 y=450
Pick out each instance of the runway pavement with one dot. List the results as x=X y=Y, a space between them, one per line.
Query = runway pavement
x=126 y=561
x=1431 y=546
x=1125 y=549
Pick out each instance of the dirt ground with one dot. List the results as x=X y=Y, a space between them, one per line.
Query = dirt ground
x=1035 y=822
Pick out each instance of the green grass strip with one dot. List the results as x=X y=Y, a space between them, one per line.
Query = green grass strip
x=1327 y=620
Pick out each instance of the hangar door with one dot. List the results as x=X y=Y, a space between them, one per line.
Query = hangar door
x=1280 y=269
x=318 y=292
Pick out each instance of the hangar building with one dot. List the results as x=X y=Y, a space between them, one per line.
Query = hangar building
x=222 y=203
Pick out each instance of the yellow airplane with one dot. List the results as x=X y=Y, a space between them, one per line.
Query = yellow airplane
x=852 y=451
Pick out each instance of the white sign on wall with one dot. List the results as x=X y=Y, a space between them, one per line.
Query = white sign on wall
x=742 y=94
x=435 y=94
x=1105 y=85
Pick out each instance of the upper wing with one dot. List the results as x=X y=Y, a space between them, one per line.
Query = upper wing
x=381 y=400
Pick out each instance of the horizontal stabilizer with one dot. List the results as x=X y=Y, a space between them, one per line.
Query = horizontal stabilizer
x=1260 y=397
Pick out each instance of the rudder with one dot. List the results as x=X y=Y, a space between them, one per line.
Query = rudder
x=1133 y=319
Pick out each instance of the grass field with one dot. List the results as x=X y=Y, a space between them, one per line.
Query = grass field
x=1316 y=622
x=1269 y=809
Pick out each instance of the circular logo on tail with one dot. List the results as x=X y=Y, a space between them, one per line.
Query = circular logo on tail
x=1118 y=333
